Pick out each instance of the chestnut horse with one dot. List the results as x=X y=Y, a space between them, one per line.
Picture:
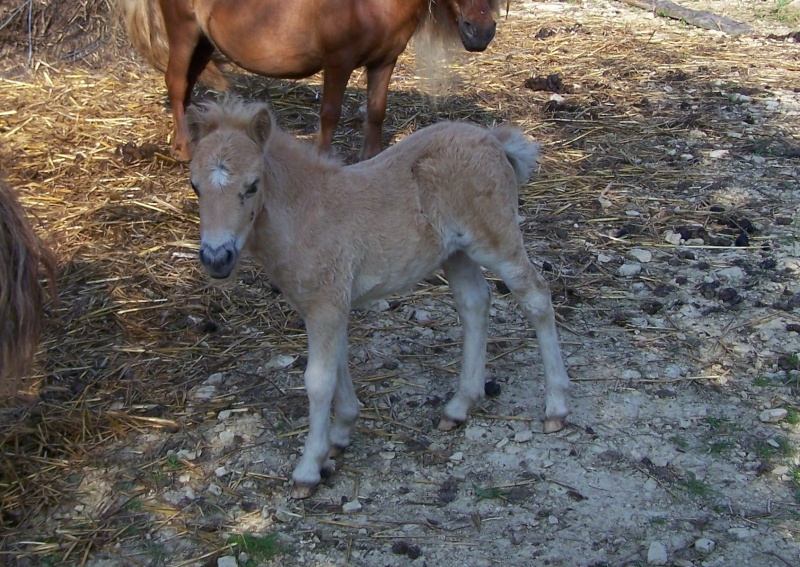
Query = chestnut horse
x=292 y=40
x=22 y=255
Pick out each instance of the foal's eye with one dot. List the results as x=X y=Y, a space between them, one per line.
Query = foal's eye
x=194 y=188
x=252 y=189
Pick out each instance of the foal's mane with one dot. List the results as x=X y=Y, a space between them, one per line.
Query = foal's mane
x=236 y=114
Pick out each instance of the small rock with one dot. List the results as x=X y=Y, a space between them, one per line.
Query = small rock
x=219 y=472
x=773 y=415
x=422 y=316
x=203 y=393
x=352 y=507
x=457 y=457
x=717 y=154
x=780 y=470
x=280 y=361
x=643 y=256
x=732 y=273
x=224 y=414
x=183 y=454
x=523 y=436
x=705 y=545
x=382 y=305
x=631 y=375
x=673 y=237
x=227 y=561
x=475 y=433
x=603 y=258
x=285 y=516
x=742 y=533
x=552 y=520
x=628 y=270
x=657 y=554
x=215 y=379
x=214 y=489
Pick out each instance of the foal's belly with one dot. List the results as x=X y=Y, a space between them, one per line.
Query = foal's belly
x=397 y=278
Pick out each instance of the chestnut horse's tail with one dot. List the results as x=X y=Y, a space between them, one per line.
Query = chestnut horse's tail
x=21 y=292
x=521 y=152
x=144 y=24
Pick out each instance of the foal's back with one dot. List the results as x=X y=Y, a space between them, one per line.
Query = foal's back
x=420 y=201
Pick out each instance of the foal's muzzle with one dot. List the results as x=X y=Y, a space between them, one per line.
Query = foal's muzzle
x=476 y=37
x=218 y=262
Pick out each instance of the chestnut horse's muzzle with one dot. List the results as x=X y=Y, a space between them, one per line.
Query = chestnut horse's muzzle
x=476 y=37
x=220 y=261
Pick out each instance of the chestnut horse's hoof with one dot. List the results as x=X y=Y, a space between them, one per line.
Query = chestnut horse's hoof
x=553 y=424
x=302 y=491
x=446 y=424
x=181 y=153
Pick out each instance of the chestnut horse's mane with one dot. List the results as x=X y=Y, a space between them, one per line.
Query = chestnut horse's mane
x=22 y=295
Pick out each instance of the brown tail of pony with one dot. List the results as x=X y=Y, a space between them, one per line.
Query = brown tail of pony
x=144 y=24
x=22 y=295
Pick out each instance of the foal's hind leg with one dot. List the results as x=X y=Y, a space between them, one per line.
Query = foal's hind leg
x=472 y=298
x=345 y=409
x=533 y=295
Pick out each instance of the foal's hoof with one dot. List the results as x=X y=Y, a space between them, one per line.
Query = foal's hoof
x=446 y=424
x=301 y=491
x=553 y=424
x=336 y=451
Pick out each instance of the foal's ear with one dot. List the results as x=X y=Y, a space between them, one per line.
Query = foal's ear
x=198 y=123
x=260 y=126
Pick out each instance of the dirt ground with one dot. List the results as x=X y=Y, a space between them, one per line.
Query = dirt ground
x=171 y=412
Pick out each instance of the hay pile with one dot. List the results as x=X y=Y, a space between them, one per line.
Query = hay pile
x=137 y=326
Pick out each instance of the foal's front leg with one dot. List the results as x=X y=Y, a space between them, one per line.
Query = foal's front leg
x=327 y=345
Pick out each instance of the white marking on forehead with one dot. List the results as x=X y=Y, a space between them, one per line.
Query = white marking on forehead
x=219 y=175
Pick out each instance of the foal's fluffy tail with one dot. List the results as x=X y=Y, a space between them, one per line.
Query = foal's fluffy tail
x=144 y=24
x=521 y=152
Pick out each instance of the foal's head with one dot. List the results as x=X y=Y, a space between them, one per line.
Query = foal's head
x=228 y=141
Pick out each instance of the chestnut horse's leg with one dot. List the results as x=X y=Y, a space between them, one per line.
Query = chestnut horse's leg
x=189 y=53
x=326 y=326
x=334 y=83
x=472 y=299
x=377 y=91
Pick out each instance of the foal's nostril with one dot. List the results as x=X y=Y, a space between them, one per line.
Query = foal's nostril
x=228 y=256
